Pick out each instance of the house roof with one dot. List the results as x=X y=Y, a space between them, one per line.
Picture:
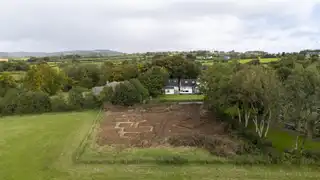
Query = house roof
x=188 y=82
x=172 y=82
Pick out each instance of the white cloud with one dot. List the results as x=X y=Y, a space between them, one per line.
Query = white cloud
x=153 y=25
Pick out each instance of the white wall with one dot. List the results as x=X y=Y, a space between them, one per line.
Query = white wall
x=169 y=91
x=186 y=90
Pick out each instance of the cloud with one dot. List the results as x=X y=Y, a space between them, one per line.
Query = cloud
x=157 y=25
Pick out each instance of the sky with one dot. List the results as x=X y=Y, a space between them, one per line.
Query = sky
x=159 y=25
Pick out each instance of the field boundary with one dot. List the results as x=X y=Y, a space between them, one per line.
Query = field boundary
x=76 y=155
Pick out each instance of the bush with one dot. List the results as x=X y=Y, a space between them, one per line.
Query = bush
x=33 y=102
x=59 y=103
x=106 y=94
x=76 y=98
x=125 y=94
x=25 y=102
x=144 y=93
x=90 y=101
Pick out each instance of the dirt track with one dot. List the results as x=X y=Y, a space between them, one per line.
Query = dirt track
x=150 y=126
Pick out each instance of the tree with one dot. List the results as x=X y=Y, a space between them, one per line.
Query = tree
x=6 y=82
x=178 y=67
x=125 y=94
x=303 y=94
x=144 y=93
x=44 y=78
x=154 y=80
x=250 y=93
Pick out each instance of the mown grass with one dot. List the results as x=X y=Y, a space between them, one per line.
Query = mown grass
x=283 y=140
x=40 y=147
x=181 y=97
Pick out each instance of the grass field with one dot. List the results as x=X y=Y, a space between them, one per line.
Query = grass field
x=39 y=147
x=243 y=61
x=283 y=140
x=181 y=97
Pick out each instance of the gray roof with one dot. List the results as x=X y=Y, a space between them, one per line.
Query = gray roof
x=172 y=82
x=188 y=82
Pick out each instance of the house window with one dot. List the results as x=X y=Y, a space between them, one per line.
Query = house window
x=193 y=82
x=186 y=82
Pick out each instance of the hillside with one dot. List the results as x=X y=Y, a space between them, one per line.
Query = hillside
x=79 y=52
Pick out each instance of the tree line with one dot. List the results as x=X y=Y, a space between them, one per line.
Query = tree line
x=257 y=97
x=139 y=81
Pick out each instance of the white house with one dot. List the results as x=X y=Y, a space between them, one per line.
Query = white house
x=172 y=87
x=188 y=86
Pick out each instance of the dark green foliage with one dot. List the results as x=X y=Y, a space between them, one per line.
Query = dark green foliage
x=106 y=94
x=25 y=102
x=125 y=94
x=144 y=93
x=59 y=103
x=33 y=102
x=154 y=80
x=90 y=101
x=76 y=98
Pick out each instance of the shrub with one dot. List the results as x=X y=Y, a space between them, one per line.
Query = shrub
x=59 y=103
x=106 y=94
x=90 y=101
x=144 y=93
x=125 y=94
x=33 y=102
x=25 y=102
x=76 y=98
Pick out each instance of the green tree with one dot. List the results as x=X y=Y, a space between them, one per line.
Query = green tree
x=154 y=80
x=6 y=82
x=125 y=94
x=144 y=93
x=303 y=94
x=44 y=78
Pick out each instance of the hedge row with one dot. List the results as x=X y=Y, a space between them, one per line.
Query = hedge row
x=17 y=101
x=29 y=102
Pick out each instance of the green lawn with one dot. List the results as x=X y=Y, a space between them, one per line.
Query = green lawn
x=181 y=97
x=39 y=147
x=283 y=140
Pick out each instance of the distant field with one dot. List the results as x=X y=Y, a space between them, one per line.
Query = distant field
x=243 y=61
x=17 y=75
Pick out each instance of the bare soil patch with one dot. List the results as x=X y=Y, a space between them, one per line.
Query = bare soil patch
x=153 y=125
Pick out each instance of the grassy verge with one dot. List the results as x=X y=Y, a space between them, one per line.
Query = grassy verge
x=41 y=147
x=180 y=98
x=283 y=140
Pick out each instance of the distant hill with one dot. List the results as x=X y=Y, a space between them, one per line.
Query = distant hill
x=79 y=52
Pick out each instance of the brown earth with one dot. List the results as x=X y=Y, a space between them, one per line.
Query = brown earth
x=152 y=125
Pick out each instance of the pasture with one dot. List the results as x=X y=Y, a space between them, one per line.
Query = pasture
x=42 y=146
x=242 y=61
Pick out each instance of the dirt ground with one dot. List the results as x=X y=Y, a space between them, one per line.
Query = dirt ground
x=151 y=125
